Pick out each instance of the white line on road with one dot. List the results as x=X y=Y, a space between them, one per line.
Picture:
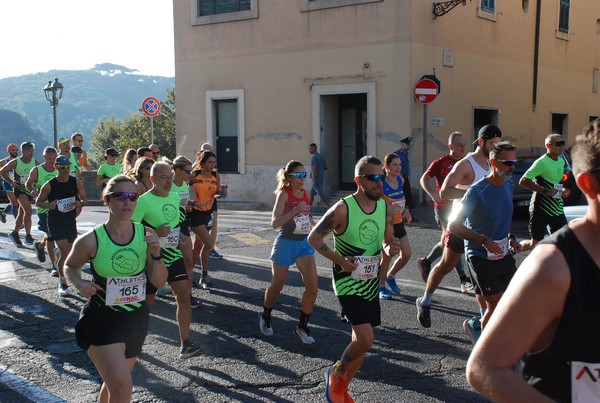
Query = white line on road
x=27 y=389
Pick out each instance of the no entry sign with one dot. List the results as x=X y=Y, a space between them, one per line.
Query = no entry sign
x=151 y=106
x=426 y=90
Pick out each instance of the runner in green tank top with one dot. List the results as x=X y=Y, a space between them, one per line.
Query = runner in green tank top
x=124 y=257
x=543 y=179
x=159 y=209
x=21 y=166
x=39 y=175
x=362 y=227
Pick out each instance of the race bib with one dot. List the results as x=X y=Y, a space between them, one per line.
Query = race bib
x=171 y=240
x=23 y=179
x=399 y=205
x=125 y=290
x=185 y=197
x=66 y=205
x=585 y=386
x=558 y=187
x=368 y=267
x=302 y=222
x=503 y=244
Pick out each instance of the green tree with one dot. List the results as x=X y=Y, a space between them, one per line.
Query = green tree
x=134 y=132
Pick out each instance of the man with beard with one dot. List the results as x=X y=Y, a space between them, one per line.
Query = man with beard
x=362 y=227
x=483 y=220
x=13 y=206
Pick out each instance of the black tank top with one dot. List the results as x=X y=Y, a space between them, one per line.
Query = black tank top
x=62 y=191
x=577 y=333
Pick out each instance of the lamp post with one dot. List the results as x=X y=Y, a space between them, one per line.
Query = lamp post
x=54 y=92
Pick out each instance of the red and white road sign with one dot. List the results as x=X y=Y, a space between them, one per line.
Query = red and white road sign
x=151 y=106
x=426 y=90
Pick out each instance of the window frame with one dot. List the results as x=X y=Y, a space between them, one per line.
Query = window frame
x=487 y=7
x=564 y=16
x=222 y=17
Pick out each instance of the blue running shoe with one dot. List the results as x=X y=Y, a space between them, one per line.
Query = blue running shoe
x=384 y=293
x=391 y=282
x=473 y=328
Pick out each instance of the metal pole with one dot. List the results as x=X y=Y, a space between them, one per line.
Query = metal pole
x=425 y=106
x=54 y=102
x=151 y=130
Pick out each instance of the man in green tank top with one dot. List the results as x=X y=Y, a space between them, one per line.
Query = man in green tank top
x=543 y=179
x=362 y=228
x=21 y=166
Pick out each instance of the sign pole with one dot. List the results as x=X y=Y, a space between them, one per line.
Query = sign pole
x=151 y=130
x=425 y=107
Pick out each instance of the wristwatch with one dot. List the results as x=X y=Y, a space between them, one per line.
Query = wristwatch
x=161 y=256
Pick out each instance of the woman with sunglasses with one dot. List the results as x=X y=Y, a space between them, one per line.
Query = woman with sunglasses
x=124 y=257
x=182 y=170
x=394 y=196
x=109 y=169
x=129 y=159
x=141 y=174
x=205 y=184
x=291 y=214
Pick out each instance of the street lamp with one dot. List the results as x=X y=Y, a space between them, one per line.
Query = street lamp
x=53 y=92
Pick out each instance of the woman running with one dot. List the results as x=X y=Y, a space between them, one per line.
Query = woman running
x=129 y=159
x=141 y=174
x=393 y=194
x=124 y=257
x=291 y=214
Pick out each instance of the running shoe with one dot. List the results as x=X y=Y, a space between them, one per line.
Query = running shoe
x=3 y=216
x=28 y=239
x=391 y=282
x=190 y=349
x=41 y=256
x=14 y=237
x=54 y=272
x=64 y=290
x=473 y=328
x=195 y=302
x=304 y=335
x=424 y=268
x=423 y=314
x=205 y=281
x=384 y=293
x=336 y=388
x=466 y=285
x=215 y=255
x=265 y=325
x=164 y=291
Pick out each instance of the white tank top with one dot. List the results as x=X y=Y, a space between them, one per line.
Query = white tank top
x=479 y=174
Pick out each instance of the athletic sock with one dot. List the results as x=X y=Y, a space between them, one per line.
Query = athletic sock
x=436 y=253
x=267 y=312
x=426 y=299
x=303 y=319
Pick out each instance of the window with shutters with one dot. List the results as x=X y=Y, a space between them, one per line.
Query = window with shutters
x=218 y=11
x=563 y=15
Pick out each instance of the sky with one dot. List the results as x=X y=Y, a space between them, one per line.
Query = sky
x=42 y=35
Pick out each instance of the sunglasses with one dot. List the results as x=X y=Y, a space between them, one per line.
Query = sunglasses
x=113 y=155
x=299 y=175
x=559 y=143
x=373 y=177
x=187 y=171
x=508 y=163
x=124 y=196
x=63 y=166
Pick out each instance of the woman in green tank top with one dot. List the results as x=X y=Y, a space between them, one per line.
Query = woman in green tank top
x=124 y=256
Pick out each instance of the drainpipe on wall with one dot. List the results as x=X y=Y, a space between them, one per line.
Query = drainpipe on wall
x=536 y=52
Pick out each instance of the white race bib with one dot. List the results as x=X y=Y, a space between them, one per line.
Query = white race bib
x=171 y=240
x=399 y=204
x=66 y=205
x=585 y=385
x=368 y=267
x=558 y=194
x=302 y=222
x=185 y=197
x=503 y=244
x=125 y=290
x=23 y=179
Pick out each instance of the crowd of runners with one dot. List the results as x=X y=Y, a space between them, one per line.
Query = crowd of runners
x=155 y=205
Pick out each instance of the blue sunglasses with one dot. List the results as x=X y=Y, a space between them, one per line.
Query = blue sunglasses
x=508 y=163
x=373 y=177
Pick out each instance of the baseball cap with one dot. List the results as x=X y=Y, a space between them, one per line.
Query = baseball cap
x=488 y=132
x=406 y=140
x=62 y=160
x=111 y=151
x=76 y=150
x=63 y=140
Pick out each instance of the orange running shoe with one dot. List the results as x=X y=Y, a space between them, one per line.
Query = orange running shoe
x=336 y=389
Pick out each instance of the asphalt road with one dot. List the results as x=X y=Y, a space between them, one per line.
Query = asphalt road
x=41 y=362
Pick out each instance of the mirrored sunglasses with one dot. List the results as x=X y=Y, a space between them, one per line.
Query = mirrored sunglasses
x=123 y=196
x=299 y=175
x=63 y=166
x=508 y=163
x=559 y=143
x=373 y=177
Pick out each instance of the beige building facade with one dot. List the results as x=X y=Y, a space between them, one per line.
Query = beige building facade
x=262 y=79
